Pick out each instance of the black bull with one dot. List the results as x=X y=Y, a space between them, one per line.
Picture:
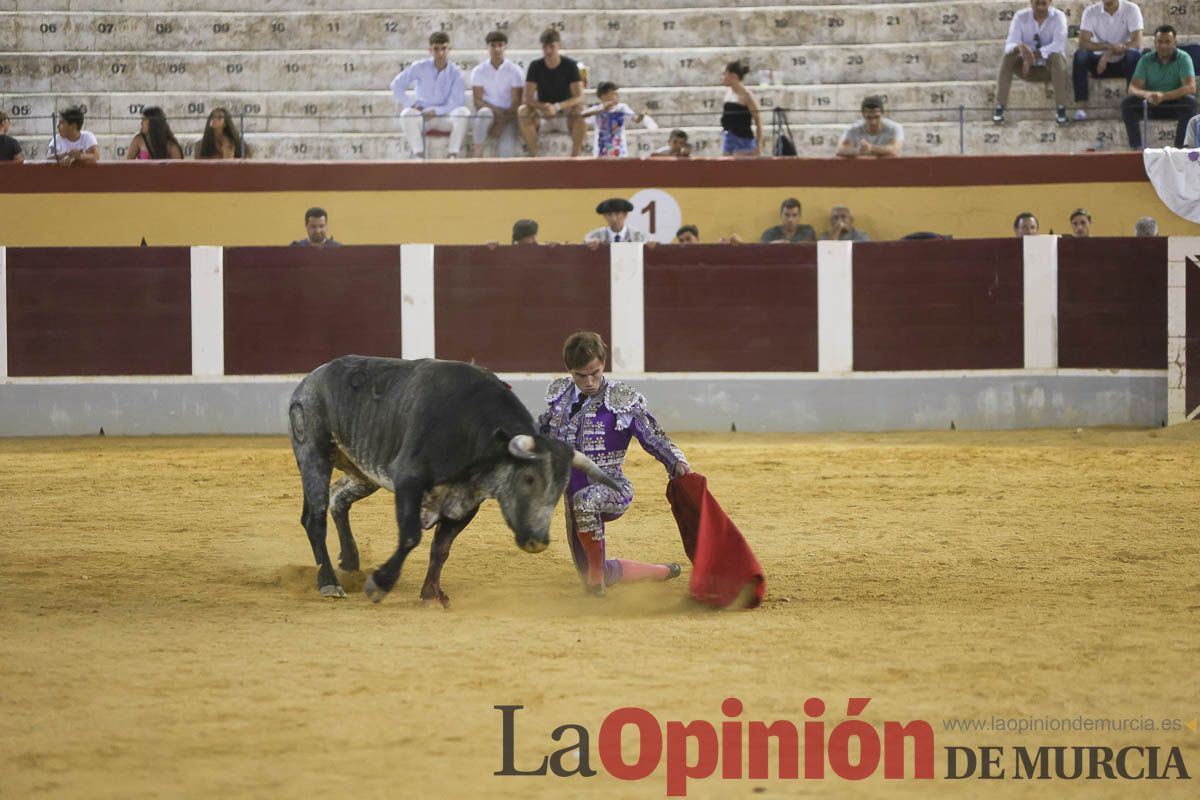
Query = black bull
x=443 y=436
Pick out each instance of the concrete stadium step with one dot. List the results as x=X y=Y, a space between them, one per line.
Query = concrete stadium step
x=373 y=30
x=66 y=72
x=680 y=106
x=312 y=29
x=812 y=141
x=311 y=5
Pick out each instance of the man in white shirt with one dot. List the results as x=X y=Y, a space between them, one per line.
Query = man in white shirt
x=439 y=101
x=496 y=85
x=1110 y=44
x=615 y=210
x=1036 y=49
x=72 y=144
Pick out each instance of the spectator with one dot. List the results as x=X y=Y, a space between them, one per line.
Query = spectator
x=1110 y=44
x=1025 y=224
x=496 y=85
x=873 y=135
x=789 y=229
x=841 y=227
x=1037 y=48
x=221 y=139
x=154 y=140
x=1081 y=223
x=72 y=144
x=740 y=109
x=611 y=115
x=316 y=225
x=525 y=231
x=676 y=147
x=553 y=96
x=10 y=148
x=688 y=234
x=1163 y=87
x=615 y=210
x=438 y=101
x=1146 y=226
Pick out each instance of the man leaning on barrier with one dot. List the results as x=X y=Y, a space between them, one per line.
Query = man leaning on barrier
x=1163 y=87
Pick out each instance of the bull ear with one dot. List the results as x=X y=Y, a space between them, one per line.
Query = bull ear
x=522 y=446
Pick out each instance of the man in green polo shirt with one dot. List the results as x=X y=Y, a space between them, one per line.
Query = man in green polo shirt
x=1165 y=83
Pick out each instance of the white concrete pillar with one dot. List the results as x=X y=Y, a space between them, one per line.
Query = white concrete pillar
x=417 y=333
x=1041 y=302
x=835 y=306
x=208 y=311
x=627 y=282
x=1179 y=248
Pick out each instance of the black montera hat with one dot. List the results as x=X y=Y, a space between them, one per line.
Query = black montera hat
x=614 y=204
x=523 y=228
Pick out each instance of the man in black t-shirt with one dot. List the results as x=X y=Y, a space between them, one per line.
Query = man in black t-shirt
x=10 y=148
x=553 y=94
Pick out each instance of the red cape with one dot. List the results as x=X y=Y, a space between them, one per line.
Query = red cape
x=723 y=565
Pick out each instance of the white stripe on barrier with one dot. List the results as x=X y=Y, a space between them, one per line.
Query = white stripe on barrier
x=417 y=332
x=208 y=311
x=1041 y=301
x=835 y=306
x=627 y=290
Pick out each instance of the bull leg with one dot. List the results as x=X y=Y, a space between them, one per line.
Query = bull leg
x=315 y=471
x=346 y=491
x=408 y=519
x=447 y=530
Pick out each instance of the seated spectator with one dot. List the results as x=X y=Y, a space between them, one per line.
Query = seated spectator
x=1163 y=87
x=496 y=85
x=438 y=102
x=1081 y=223
x=1025 y=224
x=615 y=211
x=10 y=148
x=789 y=229
x=553 y=96
x=841 y=227
x=676 y=147
x=72 y=144
x=525 y=231
x=926 y=235
x=154 y=140
x=1146 y=226
x=221 y=139
x=738 y=138
x=873 y=135
x=1036 y=48
x=1110 y=44
x=611 y=115
x=316 y=225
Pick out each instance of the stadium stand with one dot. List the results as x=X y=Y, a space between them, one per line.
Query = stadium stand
x=312 y=84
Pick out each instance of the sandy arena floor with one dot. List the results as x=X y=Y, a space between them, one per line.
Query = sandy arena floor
x=163 y=636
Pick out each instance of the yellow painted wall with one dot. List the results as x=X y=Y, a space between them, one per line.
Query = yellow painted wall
x=472 y=217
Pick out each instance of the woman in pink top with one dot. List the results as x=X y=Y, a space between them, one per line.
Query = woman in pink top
x=155 y=139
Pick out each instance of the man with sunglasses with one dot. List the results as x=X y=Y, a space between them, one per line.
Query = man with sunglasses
x=1036 y=49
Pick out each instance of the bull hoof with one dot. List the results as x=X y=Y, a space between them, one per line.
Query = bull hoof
x=440 y=600
x=372 y=590
x=333 y=590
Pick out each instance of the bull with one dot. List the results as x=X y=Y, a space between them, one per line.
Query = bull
x=443 y=436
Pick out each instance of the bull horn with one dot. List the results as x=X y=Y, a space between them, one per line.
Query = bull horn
x=521 y=446
x=581 y=462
